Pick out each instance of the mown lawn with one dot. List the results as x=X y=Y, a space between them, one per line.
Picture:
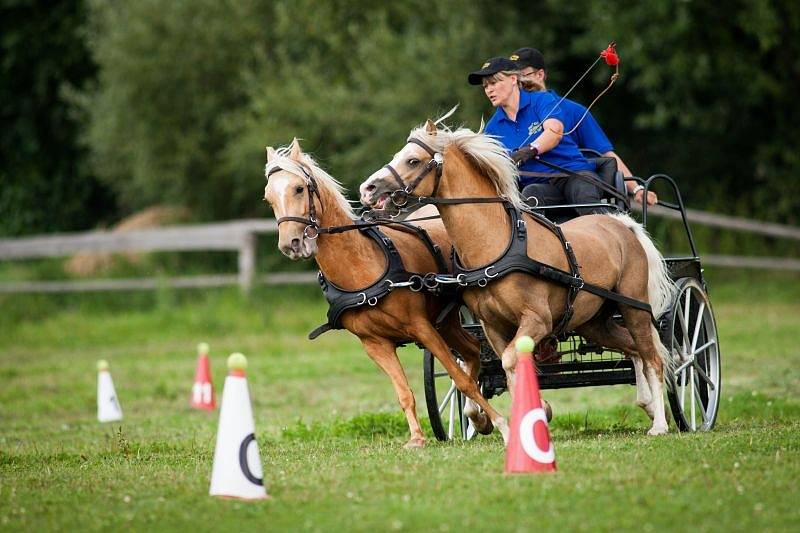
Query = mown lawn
x=330 y=432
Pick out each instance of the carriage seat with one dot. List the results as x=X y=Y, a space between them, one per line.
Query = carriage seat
x=606 y=169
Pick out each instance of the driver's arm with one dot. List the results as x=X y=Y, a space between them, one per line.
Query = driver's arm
x=551 y=135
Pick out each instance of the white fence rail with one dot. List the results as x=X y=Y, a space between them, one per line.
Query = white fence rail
x=242 y=236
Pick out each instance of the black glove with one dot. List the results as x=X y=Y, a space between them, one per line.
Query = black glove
x=524 y=154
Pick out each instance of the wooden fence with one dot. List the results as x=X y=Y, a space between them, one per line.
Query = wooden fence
x=242 y=236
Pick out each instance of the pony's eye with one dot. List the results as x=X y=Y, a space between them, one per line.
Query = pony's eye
x=298 y=189
x=413 y=162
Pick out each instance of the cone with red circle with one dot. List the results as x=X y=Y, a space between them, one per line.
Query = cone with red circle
x=529 y=446
x=237 y=471
x=203 y=389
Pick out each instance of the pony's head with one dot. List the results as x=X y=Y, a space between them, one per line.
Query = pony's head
x=417 y=168
x=299 y=191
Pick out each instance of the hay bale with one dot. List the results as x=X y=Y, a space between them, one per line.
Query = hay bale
x=91 y=263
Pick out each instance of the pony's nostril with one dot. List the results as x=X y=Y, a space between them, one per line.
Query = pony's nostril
x=296 y=245
x=369 y=188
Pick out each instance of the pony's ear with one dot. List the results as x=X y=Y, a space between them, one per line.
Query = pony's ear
x=295 y=150
x=430 y=127
x=271 y=153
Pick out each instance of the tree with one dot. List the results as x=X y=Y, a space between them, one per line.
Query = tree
x=45 y=182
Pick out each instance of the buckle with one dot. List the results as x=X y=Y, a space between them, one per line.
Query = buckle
x=400 y=197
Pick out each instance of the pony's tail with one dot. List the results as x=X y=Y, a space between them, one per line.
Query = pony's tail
x=660 y=287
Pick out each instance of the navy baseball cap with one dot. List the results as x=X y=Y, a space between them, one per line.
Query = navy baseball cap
x=492 y=66
x=528 y=57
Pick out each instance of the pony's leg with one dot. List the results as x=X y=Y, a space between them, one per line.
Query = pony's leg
x=383 y=352
x=430 y=338
x=653 y=355
x=532 y=325
x=470 y=350
x=606 y=332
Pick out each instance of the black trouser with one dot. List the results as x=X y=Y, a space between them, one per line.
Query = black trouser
x=564 y=189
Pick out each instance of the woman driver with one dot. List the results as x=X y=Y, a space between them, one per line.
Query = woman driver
x=531 y=121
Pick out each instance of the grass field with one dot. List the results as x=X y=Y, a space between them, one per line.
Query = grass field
x=330 y=432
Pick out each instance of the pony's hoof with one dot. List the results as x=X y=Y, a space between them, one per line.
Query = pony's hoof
x=415 y=443
x=482 y=424
x=547 y=410
x=657 y=430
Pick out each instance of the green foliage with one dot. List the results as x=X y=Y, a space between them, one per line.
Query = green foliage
x=708 y=96
x=45 y=184
x=185 y=95
x=169 y=73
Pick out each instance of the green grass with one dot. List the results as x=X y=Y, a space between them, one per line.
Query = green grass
x=330 y=432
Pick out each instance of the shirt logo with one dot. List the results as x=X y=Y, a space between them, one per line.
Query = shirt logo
x=534 y=128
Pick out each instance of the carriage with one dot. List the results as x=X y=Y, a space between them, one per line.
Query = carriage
x=687 y=328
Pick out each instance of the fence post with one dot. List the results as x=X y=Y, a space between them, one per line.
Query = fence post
x=247 y=261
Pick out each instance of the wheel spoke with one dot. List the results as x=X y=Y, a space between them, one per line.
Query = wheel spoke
x=452 y=417
x=682 y=379
x=684 y=366
x=692 y=397
x=684 y=332
x=702 y=375
x=687 y=304
x=703 y=408
x=440 y=374
x=698 y=324
x=447 y=398
x=705 y=346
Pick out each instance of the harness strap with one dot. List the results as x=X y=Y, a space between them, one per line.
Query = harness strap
x=515 y=259
x=341 y=300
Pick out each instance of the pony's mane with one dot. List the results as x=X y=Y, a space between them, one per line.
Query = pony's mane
x=325 y=181
x=485 y=151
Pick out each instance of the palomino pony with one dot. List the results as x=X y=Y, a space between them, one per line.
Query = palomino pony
x=301 y=191
x=614 y=252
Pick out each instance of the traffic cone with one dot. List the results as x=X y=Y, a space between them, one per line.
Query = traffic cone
x=529 y=445
x=203 y=389
x=108 y=409
x=237 y=469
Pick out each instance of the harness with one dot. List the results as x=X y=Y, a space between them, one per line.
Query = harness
x=515 y=257
x=395 y=276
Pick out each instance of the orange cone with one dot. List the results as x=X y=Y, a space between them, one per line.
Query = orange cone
x=529 y=446
x=203 y=390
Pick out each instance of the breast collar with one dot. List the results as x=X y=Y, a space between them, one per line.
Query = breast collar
x=395 y=276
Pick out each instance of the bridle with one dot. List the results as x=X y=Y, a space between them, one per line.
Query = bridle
x=312 y=229
x=401 y=195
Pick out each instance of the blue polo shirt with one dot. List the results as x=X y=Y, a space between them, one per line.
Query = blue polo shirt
x=589 y=134
x=534 y=108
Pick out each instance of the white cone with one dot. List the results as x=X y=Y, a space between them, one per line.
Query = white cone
x=108 y=409
x=237 y=471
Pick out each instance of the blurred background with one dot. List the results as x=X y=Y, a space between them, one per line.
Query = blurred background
x=109 y=108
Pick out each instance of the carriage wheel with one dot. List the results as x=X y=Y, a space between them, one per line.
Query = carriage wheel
x=691 y=337
x=445 y=402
